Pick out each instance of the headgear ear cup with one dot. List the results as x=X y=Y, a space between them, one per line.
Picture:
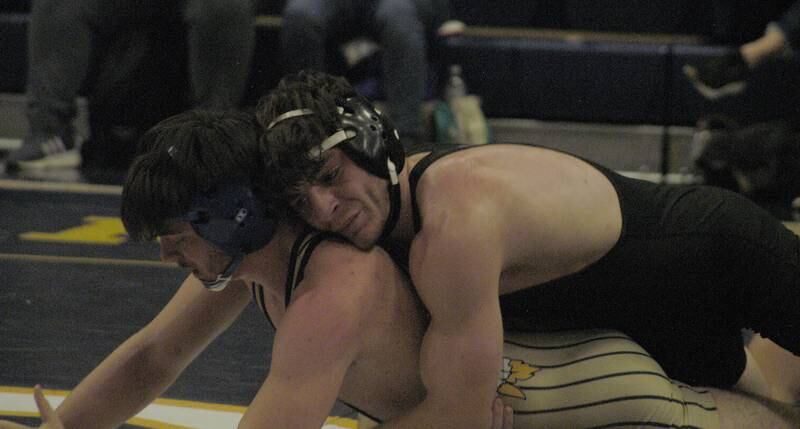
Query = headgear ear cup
x=376 y=147
x=233 y=219
x=376 y=139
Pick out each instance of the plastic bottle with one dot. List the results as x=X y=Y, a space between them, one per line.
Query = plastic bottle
x=470 y=125
x=456 y=87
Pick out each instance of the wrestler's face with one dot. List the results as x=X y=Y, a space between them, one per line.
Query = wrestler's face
x=181 y=244
x=345 y=199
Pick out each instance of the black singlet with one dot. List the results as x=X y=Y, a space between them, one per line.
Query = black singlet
x=692 y=267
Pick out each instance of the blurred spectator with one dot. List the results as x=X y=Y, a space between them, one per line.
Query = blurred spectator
x=727 y=74
x=761 y=161
x=220 y=37
x=402 y=28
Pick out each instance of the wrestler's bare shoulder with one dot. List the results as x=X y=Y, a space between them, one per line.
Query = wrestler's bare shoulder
x=557 y=213
x=523 y=167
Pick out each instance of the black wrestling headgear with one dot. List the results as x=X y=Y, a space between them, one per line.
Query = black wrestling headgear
x=369 y=139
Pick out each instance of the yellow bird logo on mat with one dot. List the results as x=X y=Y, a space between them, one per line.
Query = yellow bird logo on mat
x=514 y=370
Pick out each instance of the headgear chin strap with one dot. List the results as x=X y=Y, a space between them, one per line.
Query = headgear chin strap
x=223 y=278
x=368 y=139
x=233 y=219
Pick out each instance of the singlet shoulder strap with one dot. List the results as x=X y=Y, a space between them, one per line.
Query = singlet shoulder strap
x=258 y=296
x=419 y=169
x=302 y=249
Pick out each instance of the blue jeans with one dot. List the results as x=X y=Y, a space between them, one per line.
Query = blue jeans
x=400 y=27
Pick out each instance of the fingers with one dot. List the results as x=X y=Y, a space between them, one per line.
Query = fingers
x=502 y=415
x=508 y=417
x=497 y=413
x=49 y=416
x=41 y=402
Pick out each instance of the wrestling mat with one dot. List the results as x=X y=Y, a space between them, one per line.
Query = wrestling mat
x=74 y=288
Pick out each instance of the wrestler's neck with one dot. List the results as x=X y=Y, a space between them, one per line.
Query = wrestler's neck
x=267 y=266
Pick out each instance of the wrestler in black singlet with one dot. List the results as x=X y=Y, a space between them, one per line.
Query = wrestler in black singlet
x=693 y=265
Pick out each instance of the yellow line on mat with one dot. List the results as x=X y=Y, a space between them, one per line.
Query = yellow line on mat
x=78 y=188
x=85 y=260
x=343 y=422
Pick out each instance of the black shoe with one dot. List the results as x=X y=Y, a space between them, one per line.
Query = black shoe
x=44 y=151
x=719 y=76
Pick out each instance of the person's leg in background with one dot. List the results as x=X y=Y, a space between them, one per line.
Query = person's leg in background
x=306 y=29
x=221 y=39
x=399 y=26
x=59 y=45
x=401 y=32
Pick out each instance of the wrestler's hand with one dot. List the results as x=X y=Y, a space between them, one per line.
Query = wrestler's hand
x=50 y=419
x=502 y=415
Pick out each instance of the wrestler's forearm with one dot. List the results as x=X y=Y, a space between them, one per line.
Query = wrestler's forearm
x=459 y=371
x=122 y=385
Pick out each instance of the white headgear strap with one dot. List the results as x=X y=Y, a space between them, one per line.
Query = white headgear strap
x=288 y=115
x=392 y=172
x=331 y=141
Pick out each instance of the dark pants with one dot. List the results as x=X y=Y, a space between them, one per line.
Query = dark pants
x=399 y=26
x=220 y=41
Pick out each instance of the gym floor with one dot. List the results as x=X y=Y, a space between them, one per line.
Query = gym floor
x=74 y=288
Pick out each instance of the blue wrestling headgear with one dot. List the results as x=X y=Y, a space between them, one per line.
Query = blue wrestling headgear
x=369 y=139
x=233 y=219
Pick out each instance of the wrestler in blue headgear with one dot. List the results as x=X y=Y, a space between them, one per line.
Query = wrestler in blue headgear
x=202 y=167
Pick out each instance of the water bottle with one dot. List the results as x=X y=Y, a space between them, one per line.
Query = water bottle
x=468 y=124
x=456 y=87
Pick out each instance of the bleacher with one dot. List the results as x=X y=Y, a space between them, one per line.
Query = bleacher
x=602 y=79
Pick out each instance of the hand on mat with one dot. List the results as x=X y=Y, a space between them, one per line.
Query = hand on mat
x=50 y=419
x=502 y=415
x=719 y=76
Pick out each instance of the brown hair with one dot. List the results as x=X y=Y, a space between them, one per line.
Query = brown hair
x=184 y=155
x=287 y=143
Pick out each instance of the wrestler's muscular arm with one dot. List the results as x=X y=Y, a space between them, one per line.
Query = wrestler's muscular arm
x=456 y=262
x=318 y=339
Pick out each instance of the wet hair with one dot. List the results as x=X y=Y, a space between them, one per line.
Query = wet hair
x=288 y=142
x=185 y=155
